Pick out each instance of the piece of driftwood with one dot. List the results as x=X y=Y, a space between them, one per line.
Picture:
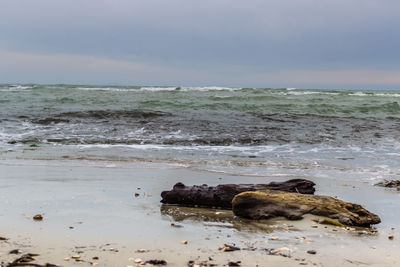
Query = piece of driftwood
x=221 y=196
x=268 y=204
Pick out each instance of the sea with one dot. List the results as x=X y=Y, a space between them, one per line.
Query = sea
x=257 y=132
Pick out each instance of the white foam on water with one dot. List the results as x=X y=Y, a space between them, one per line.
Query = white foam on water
x=15 y=88
x=111 y=89
x=189 y=88
x=374 y=94
x=299 y=93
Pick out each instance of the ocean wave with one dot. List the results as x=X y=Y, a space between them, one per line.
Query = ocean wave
x=66 y=117
x=374 y=94
x=110 y=89
x=304 y=92
x=186 y=89
x=12 y=88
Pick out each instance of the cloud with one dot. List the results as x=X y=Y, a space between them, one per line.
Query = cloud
x=215 y=41
x=83 y=69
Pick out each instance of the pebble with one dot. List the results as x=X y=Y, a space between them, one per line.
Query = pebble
x=138 y=260
x=229 y=248
x=38 y=217
x=312 y=252
x=274 y=238
x=76 y=256
x=141 y=250
x=391 y=237
x=184 y=242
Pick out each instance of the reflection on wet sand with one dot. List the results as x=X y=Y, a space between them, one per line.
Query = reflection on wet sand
x=224 y=219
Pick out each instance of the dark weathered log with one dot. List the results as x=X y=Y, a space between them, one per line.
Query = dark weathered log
x=268 y=204
x=221 y=196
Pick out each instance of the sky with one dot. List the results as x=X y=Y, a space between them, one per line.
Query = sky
x=252 y=43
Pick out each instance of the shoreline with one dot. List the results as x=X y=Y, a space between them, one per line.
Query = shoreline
x=99 y=203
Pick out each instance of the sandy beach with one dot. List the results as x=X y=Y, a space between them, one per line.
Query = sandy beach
x=90 y=210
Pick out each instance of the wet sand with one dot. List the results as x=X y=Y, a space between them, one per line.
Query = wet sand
x=90 y=209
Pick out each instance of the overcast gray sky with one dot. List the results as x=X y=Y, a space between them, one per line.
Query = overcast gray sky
x=255 y=43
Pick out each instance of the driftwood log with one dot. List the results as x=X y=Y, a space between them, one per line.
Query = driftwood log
x=221 y=196
x=268 y=204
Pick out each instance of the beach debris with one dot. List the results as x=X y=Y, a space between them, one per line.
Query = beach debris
x=176 y=225
x=156 y=262
x=3 y=238
x=331 y=222
x=221 y=195
x=284 y=252
x=389 y=184
x=312 y=252
x=26 y=260
x=184 y=242
x=269 y=204
x=15 y=251
x=200 y=264
x=38 y=217
x=228 y=248
x=391 y=237
x=234 y=263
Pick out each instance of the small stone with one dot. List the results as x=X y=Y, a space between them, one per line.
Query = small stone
x=184 y=242
x=138 y=260
x=15 y=251
x=38 y=217
x=156 y=262
x=66 y=259
x=391 y=237
x=274 y=238
x=95 y=258
x=137 y=194
x=229 y=248
x=76 y=256
x=141 y=250
x=234 y=263
x=3 y=238
x=312 y=252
